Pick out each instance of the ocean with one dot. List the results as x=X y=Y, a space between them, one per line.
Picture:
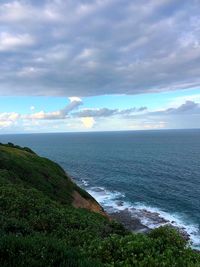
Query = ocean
x=155 y=175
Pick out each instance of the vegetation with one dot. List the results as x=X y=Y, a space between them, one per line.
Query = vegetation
x=23 y=166
x=40 y=227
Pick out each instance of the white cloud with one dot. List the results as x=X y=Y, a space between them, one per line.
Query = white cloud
x=6 y=116
x=75 y=102
x=7 y=119
x=177 y=101
x=5 y=124
x=32 y=108
x=9 y=42
x=88 y=122
x=25 y=12
x=13 y=12
x=75 y=99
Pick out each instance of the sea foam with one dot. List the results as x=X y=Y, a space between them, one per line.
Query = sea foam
x=151 y=217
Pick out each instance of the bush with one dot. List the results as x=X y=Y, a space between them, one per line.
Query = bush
x=168 y=236
x=39 y=251
x=139 y=250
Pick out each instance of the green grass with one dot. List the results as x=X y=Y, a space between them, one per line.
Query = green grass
x=40 y=227
x=21 y=166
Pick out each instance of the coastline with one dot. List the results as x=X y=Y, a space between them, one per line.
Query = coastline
x=139 y=218
x=135 y=225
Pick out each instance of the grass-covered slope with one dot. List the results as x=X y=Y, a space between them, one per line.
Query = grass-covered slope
x=39 y=225
x=21 y=165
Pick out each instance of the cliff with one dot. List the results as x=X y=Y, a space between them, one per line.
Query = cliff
x=22 y=166
x=47 y=220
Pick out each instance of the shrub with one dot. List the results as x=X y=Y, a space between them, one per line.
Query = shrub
x=39 y=251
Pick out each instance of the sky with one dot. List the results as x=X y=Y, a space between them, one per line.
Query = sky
x=99 y=65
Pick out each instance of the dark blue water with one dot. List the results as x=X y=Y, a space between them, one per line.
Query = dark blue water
x=154 y=170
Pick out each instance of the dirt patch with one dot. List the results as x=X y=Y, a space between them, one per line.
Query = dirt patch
x=80 y=202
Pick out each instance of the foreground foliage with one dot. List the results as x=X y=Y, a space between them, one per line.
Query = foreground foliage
x=39 y=226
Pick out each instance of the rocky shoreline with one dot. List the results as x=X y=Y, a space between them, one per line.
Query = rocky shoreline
x=132 y=218
x=134 y=224
x=130 y=223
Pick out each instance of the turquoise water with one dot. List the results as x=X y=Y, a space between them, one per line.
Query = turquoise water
x=153 y=171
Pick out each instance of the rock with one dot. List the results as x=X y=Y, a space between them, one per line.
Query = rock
x=119 y=203
x=131 y=223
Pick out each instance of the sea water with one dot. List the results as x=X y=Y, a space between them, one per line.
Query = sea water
x=153 y=174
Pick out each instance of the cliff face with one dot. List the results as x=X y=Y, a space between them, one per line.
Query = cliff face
x=89 y=204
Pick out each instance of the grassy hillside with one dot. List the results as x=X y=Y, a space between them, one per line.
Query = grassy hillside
x=21 y=165
x=39 y=225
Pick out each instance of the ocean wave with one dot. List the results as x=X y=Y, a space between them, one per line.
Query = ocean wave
x=81 y=182
x=151 y=217
x=84 y=182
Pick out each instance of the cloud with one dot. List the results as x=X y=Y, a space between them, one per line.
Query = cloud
x=95 y=112
x=10 y=42
x=87 y=48
x=27 y=12
x=178 y=101
x=5 y=124
x=8 y=119
x=32 y=108
x=56 y=115
x=106 y=112
x=14 y=12
x=188 y=108
x=186 y=115
x=88 y=122
x=12 y=116
x=75 y=102
x=75 y=99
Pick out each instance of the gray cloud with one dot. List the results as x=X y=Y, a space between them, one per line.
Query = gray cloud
x=75 y=103
x=186 y=115
x=106 y=112
x=188 y=108
x=87 y=48
x=101 y=112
